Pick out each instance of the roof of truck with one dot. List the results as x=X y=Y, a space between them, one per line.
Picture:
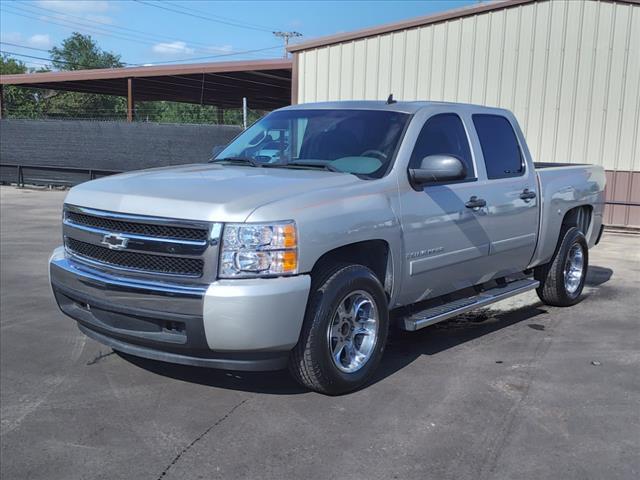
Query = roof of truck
x=404 y=107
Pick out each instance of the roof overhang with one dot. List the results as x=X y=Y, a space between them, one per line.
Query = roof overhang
x=418 y=22
x=265 y=83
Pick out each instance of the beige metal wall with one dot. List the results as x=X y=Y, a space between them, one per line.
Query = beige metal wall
x=569 y=70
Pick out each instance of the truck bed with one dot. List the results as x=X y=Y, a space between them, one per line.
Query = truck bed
x=564 y=186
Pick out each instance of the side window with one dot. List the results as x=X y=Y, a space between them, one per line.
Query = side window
x=443 y=134
x=502 y=155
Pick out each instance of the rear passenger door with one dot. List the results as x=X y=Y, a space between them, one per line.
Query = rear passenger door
x=512 y=202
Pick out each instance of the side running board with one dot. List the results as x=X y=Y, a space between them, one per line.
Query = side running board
x=442 y=312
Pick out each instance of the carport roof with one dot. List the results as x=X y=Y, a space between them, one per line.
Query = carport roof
x=265 y=83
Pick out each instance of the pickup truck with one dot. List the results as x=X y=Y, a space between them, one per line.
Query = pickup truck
x=318 y=229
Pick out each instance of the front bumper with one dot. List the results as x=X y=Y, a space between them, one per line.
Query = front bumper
x=231 y=324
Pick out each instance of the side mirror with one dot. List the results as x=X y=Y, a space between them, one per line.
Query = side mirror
x=216 y=150
x=436 y=169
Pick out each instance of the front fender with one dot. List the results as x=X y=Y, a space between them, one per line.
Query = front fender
x=330 y=219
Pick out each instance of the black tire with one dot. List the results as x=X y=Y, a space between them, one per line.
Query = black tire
x=553 y=289
x=310 y=362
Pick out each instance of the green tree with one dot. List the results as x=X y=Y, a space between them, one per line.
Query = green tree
x=82 y=52
x=79 y=52
x=17 y=101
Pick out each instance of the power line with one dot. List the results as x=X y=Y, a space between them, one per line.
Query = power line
x=215 y=16
x=83 y=25
x=99 y=31
x=202 y=17
x=71 y=24
x=219 y=55
x=24 y=46
x=46 y=58
x=244 y=52
x=111 y=26
x=95 y=30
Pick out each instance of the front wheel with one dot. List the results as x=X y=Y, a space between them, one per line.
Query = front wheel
x=562 y=279
x=344 y=331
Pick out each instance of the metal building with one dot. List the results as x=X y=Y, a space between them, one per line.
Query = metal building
x=568 y=69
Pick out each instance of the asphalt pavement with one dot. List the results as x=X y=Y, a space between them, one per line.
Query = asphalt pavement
x=517 y=391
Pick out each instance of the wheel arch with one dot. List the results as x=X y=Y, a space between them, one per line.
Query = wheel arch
x=552 y=230
x=580 y=217
x=374 y=254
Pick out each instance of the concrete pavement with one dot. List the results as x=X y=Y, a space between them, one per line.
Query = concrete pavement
x=520 y=390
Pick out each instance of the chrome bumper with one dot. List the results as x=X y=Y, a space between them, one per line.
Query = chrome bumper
x=236 y=324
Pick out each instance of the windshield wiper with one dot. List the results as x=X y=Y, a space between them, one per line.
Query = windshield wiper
x=248 y=160
x=324 y=166
x=331 y=168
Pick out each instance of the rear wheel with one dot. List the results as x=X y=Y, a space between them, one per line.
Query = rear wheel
x=344 y=332
x=562 y=279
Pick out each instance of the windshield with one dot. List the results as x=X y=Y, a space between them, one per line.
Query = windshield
x=362 y=142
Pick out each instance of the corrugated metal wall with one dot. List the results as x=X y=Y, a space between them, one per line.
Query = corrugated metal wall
x=569 y=70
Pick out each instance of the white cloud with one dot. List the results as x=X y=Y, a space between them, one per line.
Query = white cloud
x=40 y=40
x=76 y=6
x=91 y=10
x=172 y=48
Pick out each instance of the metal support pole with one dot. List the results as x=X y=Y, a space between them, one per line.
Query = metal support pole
x=244 y=112
x=1 y=101
x=220 y=112
x=130 y=101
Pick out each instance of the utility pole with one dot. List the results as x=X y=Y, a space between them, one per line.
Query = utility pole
x=286 y=36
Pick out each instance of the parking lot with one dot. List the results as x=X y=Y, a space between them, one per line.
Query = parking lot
x=520 y=390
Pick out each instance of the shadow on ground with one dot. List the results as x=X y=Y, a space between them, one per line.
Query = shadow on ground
x=598 y=275
x=402 y=348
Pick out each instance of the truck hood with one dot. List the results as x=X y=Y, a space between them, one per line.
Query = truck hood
x=209 y=192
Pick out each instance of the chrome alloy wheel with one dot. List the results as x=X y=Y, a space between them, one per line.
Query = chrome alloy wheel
x=353 y=331
x=573 y=269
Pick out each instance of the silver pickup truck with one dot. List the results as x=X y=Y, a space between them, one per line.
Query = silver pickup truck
x=317 y=230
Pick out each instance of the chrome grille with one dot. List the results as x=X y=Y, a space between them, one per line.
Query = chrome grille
x=151 y=230
x=144 y=246
x=137 y=261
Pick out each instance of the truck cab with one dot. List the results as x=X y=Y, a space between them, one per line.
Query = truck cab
x=317 y=230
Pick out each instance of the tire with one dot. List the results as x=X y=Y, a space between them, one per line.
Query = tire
x=561 y=286
x=322 y=360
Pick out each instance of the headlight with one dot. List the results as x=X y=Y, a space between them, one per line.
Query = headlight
x=257 y=250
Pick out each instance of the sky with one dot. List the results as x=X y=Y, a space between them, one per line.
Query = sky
x=182 y=31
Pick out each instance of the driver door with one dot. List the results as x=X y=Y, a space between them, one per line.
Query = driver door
x=446 y=244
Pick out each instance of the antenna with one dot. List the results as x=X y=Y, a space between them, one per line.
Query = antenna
x=286 y=36
x=390 y=99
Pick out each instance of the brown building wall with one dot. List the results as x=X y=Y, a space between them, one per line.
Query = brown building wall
x=623 y=199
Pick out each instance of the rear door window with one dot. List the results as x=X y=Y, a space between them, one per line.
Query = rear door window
x=502 y=155
x=443 y=134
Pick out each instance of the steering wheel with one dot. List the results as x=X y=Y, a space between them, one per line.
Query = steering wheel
x=376 y=153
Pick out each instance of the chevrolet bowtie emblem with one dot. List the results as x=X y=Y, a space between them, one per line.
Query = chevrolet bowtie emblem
x=115 y=241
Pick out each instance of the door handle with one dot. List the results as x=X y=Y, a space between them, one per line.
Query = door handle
x=475 y=202
x=527 y=195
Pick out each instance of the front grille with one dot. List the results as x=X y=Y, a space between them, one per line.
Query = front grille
x=147 y=229
x=137 y=261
